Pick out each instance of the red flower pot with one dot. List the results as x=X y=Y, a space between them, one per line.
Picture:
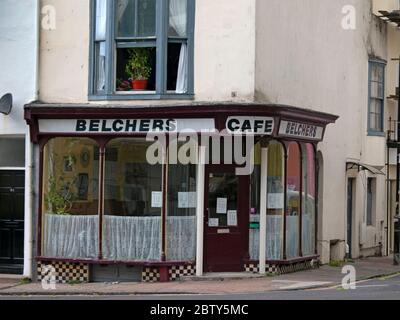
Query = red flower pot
x=139 y=84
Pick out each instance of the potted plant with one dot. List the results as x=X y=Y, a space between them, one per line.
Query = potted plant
x=138 y=67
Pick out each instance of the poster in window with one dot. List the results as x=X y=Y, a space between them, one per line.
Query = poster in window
x=83 y=186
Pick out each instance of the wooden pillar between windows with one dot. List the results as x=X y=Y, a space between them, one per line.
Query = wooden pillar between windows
x=200 y=210
x=263 y=209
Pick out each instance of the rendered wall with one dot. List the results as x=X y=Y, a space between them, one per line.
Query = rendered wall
x=18 y=35
x=224 y=52
x=305 y=58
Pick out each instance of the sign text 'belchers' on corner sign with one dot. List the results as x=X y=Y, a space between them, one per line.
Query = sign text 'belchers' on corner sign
x=300 y=130
x=115 y=126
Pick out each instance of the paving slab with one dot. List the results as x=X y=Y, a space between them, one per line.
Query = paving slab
x=214 y=284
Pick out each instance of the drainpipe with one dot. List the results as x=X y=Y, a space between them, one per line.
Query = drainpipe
x=28 y=212
x=396 y=233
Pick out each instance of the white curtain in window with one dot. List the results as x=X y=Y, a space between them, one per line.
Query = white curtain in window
x=132 y=238
x=70 y=236
x=274 y=239
x=177 y=20
x=100 y=35
x=181 y=238
x=292 y=236
x=101 y=20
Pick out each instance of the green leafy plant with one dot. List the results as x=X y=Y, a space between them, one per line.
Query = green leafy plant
x=59 y=196
x=138 y=65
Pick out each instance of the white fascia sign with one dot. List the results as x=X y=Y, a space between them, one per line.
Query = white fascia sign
x=124 y=126
x=301 y=130
x=250 y=125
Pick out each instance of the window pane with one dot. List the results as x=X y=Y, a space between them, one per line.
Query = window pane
x=101 y=20
x=275 y=201
x=100 y=66
x=377 y=72
x=181 y=219
x=136 y=70
x=177 y=18
x=12 y=152
x=136 y=18
x=132 y=203
x=70 y=198
x=177 y=67
x=254 y=228
x=308 y=203
x=375 y=115
x=293 y=200
x=222 y=186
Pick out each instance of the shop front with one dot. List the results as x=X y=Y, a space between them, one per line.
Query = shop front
x=156 y=193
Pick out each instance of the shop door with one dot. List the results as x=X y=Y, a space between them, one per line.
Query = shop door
x=226 y=219
x=350 y=182
x=11 y=221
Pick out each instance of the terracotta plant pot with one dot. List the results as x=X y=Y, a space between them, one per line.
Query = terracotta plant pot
x=139 y=84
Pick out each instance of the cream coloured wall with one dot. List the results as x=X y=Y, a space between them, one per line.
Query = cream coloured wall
x=64 y=53
x=385 y=5
x=224 y=52
x=308 y=60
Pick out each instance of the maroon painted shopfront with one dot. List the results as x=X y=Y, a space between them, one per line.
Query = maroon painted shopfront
x=103 y=204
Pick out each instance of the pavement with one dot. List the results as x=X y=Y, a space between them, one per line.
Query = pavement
x=221 y=284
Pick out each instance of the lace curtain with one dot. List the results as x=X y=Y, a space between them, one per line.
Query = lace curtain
x=100 y=37
x=177 y=20
x=274 y=239
x=74 y=237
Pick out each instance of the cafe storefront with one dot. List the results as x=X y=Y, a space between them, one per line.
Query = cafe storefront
x=138 y=193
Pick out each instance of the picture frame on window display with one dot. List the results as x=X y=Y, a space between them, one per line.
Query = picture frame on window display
x=83 y=186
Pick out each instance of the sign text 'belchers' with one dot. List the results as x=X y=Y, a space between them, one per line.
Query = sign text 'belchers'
x=301 y=130
x=126 y=125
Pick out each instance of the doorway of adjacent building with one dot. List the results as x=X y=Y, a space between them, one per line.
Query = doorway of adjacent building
x=350 y=186
x=12 y=192
x=226 y=226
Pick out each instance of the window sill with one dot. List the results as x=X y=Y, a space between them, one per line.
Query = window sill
x=376 y=134
x=141 y=96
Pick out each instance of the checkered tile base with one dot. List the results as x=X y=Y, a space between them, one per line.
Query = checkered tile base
x=269 y=268
x=150 y=275
x=282 y=269
x=63 y=272
x=176 y=272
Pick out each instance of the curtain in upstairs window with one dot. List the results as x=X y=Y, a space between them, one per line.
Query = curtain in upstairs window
x=100 y=39
x=177 y=21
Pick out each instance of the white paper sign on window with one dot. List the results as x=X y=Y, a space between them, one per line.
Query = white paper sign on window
x=232 y=218
x=213 y=222
x=222 y=204
x=187 y=200
x=156 y=199
x=275 y=201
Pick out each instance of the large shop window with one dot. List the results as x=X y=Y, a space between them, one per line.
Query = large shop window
x=308 y=201
x=70 y=199
x=132 y=202
x=293 y=199
x=275 y=200
x=181 y=219
x=142 y=49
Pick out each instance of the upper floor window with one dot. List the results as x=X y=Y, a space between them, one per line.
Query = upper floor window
x=376 y=97
x=142 y=49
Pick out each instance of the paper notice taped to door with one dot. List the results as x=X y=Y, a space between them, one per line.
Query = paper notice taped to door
x=222 y=204
x=213 y=222
x=232 y=218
